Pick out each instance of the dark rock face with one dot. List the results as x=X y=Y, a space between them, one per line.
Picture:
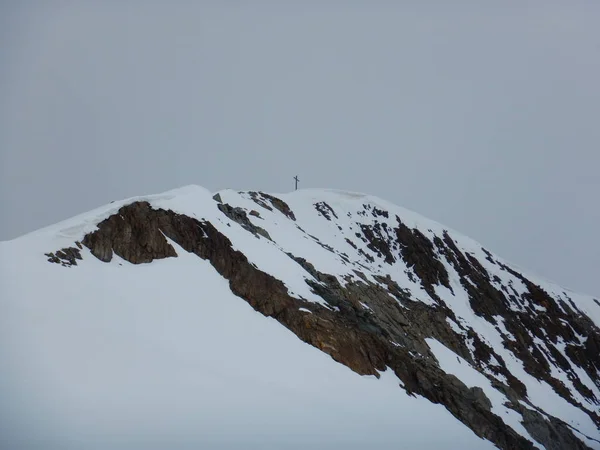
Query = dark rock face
x=371 y=326
x=263 y=200
x=325 y=210
x=135 y=234
x=66 y=257
x=239 y=215
x=554 y=434
x=377 y=241
x=418 y=252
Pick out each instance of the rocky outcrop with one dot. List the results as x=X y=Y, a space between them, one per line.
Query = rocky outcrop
x=325 y=210
x=269 y=202
x=66 y=257
x=554 y=434
x=239 y=215
x=136 y=234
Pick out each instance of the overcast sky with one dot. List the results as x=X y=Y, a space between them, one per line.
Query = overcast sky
x=482 y=116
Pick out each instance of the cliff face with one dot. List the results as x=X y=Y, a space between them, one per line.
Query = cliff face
x=385 y=288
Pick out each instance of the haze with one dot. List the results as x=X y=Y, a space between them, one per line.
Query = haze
x=481 y=116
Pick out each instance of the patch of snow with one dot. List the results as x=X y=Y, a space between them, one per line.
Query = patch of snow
x=454 y=326
x=503 y=330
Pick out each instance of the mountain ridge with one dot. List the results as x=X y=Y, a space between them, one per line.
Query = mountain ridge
x=379 y=283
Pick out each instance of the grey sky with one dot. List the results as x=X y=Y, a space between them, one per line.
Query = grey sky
x=483 y=117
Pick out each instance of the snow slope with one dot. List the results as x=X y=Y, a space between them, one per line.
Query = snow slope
x=165 y=356
x=122 y=356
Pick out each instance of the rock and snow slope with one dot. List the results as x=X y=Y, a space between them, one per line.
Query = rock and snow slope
x=143 y=324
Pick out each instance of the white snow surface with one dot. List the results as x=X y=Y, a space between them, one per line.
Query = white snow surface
x=164 y=355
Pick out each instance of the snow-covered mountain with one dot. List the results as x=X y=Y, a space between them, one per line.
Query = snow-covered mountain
x=318 y=318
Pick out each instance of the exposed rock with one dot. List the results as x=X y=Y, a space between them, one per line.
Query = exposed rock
x=52 y=258
x=329 y=248
x=481 y=399
x=377 y=243
x=279 y=205
x=380 y=213
x=553 y=434
x=419 y=253
x=67 y=256
x=257 y=198
x=351 y=243
x=134 y=233
x=239 y=215
x=325 y=210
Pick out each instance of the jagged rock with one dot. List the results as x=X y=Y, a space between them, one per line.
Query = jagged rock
x=481 y=399
x=67 y=256
x=52 y=258
x=418 y=251
x=239 y=215
x=269 y=202
x=134 y=234
x=325 y=210
x=377 y=243
x=257 y=198
x=279 y=205
x=554 y=434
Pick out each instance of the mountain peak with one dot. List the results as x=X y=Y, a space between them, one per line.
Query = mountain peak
x=378 y=288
